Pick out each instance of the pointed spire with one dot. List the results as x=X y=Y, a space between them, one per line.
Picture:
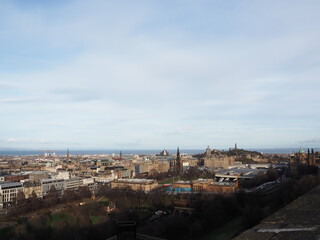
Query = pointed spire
x=68 y=154
x=178 y=162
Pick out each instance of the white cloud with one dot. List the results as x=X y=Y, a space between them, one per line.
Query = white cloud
x=105 y=73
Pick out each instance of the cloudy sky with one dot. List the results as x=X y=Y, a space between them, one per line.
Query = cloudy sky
x=159 y=74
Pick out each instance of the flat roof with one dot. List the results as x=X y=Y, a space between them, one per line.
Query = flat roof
x=245 y=172
x=136 y=180
x=10 y=184
x=52 y=180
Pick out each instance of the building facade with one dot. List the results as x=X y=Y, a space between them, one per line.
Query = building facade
x=9 y=192
x=145 y=185
x=48 y=183
x=217 y=160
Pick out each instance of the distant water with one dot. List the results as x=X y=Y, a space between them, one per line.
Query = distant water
x=137 y=151
x=94 y=152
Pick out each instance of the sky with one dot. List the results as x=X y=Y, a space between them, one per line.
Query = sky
x=121 y=74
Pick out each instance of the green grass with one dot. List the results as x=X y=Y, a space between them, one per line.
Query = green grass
x=95 y=219
x=169 y=180
x=104 y=201
x=61 y=218
x=226 y=231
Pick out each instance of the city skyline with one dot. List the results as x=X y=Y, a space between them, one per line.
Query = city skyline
x=152 y=75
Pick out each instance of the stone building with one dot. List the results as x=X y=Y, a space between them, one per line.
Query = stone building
x=176 y=165
x=145 y=185
x=301 y=158
x=29 y=187
x=48 y=183
x=73 y=183
x=9 y=192
x=204 y=185
x=14 y=178
x=217 y=160
x=164 y=153
x=36 y=176
x=163 y=166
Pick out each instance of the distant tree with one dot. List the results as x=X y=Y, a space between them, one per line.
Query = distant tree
x=20 y=197
x=20 y=204
x=68 y=196
x=84 y=192
x=52 y=198
x=34 y=202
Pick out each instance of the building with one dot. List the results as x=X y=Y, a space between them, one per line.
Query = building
x=90 y=183
x=164 y=153
x=9 y=192
x=72 y=184
x=14 y=178
x=181 y=187
x=30 y=187
x=103 y=162
x=48 y=183
x=145 y=185
x=163 y=166
x=36 y=176
x=176 y=164
x=141 y=168
x=302 y=158
x=217 y=160
x=204 y=185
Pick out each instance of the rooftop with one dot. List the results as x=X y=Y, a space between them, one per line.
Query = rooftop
x=136 y=180
x=10 y=184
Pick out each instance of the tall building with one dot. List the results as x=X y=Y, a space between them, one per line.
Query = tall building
x=208 y=152
x=176 y=164
x=217 y=160
x=68 y=155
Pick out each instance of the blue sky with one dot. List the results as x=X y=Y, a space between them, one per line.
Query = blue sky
x=159 y=74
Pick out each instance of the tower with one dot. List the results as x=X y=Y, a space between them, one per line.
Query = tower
x=178 y=166
x=68 y=155
x=208 y=152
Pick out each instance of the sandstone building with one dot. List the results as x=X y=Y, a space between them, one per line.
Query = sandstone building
x=217 y=160
x=145 y=185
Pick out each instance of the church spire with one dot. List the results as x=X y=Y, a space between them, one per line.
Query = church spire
x=68 y=155
x=178 y=162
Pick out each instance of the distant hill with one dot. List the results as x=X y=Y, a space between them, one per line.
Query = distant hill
x=230 y=153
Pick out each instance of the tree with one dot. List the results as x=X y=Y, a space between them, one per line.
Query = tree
x=69 y=196
x=52 y=197
x=20 y=204
x=84 y=192
x=34 y=202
